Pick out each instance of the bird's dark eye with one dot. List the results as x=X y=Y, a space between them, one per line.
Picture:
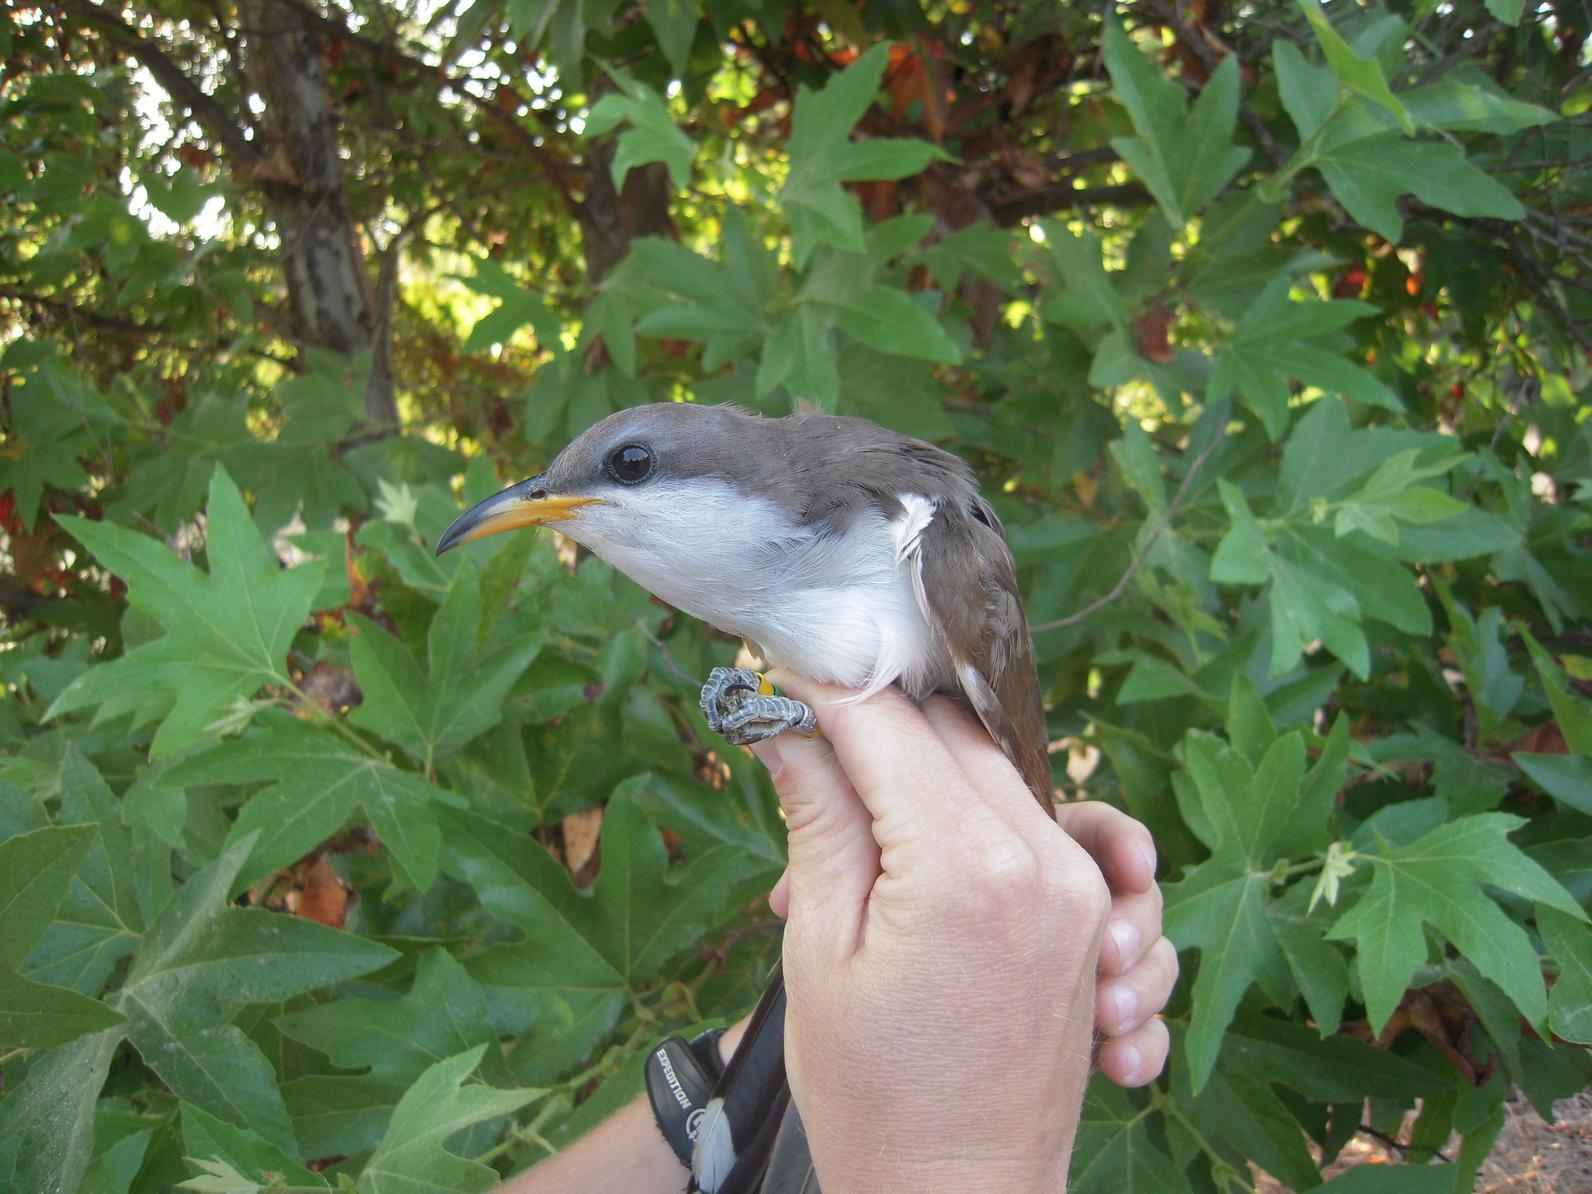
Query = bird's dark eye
x=630 y=464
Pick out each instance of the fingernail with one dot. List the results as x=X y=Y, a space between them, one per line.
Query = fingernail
x=768 y=755
x=1127 y=1006
x=1132 y=1063
x=1147 y=852
x=1126 y=938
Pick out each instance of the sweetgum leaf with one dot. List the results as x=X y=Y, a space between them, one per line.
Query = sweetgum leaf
x=47 y=1124
x=459 y=696
x=1438 y=880
x=1570 y=1001
x=317 y=782
x=443 y=1014
x=410 y=1158
x=201 y=961
x=1185 y=155
x=208 y=1139
x=102 y=918
x=1116 y=1151
x=228 y=630
x=581 y=948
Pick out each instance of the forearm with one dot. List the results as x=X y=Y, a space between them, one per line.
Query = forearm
x=625 y=1154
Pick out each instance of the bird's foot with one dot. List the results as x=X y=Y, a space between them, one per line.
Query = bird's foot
x=743 y=706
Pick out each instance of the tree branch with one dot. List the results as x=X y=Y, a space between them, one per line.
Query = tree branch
x=553 y=168
x=211 y=115
x=1066 y=197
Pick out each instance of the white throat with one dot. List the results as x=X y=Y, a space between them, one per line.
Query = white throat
x=846 y=608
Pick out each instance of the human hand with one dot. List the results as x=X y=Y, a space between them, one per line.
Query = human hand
x=941 y=950
x=1138 y=965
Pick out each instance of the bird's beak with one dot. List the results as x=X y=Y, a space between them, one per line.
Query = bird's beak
x=528 y=504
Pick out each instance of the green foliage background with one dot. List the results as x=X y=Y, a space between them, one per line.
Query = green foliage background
x=1268 y=334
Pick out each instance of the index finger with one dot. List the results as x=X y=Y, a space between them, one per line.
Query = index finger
x=897 y=763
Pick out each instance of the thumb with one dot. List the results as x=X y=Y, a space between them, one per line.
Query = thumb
x=834 y=858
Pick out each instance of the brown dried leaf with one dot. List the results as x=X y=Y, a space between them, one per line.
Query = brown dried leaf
x=580 y=843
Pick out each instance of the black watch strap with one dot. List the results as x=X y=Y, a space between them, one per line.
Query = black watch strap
x=680 y=1081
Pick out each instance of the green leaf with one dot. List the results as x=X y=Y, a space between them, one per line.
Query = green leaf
x=887 y=158
x=1570 y=1001
x=460 y=695
x=721 y=304
x=1220 y=909
x=1306 y=829
x=1573 y=714
x=977 y=249
x=653 y=135
x=1335 y=1069
x=675 y=23
x=888 y=319
x=1309 y=93
x=800 y=355
x=1115 y=1149
x=208 y=1139
x=35 y=870
x=410 y=1158
x=1242 y=557
x=395 y=1041
x=101 y=918
x=580 y=947
x=1472 y=106
x=1240 y=1105
x=201 y=961
x=822 y=157
x=47 y=1124
x=1274 y=342
x=1246 y=807
x=1438 y=880
x=227 y=631
x=49 y=430
x=1319 y=969
x=34 y=1016
x=1084 y=296
x=1507 y=11
x=316 y=782
x=519 y=306
x=1368 y=169
x=1567 y=778
x=1184 y=158
x=1361 y=75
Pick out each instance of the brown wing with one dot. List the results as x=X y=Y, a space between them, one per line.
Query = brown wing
x=982 y=623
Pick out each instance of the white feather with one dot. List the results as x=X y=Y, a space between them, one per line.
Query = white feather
x=745 y=566
x=714 y=1154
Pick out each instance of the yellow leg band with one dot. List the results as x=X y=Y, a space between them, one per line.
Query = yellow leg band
x=765 y=687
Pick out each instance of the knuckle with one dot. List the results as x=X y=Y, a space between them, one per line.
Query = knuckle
x=1157 y=901
x=1165 y=955
x=1072 y=879
x=1006 y=874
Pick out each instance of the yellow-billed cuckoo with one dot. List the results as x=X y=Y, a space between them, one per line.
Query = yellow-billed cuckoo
x=840 y=550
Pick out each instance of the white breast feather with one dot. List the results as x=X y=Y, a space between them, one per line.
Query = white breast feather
x=742 y=565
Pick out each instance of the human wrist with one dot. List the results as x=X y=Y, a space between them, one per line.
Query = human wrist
x=865 y=1170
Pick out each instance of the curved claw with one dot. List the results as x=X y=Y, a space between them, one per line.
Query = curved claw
x=742 y=705
x=726 y=688
x=759 y=718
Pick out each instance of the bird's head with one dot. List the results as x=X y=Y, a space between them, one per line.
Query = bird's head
x=649 y=480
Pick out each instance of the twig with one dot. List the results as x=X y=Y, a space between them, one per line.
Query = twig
x=1143 y=554
x=1066 y=197
x=1403 y=1150
x=209 y=113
